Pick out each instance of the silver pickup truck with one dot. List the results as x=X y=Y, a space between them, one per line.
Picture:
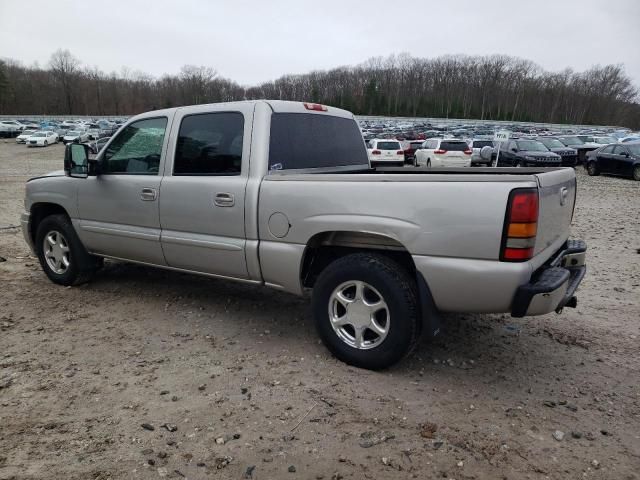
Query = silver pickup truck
x=281 y=194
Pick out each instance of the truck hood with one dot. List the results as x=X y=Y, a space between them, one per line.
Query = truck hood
x=57 y=173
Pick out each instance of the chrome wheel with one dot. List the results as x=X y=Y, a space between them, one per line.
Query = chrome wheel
x=359 y=315
x=56 y=252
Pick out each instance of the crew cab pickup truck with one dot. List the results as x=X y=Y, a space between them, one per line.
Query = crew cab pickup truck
x=281 y=194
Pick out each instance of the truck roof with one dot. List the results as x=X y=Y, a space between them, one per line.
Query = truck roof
x=278 y=106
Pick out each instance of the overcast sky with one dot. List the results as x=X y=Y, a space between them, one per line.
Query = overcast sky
x=255 y=41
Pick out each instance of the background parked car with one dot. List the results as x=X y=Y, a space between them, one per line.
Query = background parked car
x=476 y=146
x=96 y=145
x=24 y=136
x=385 y=152
x=75 y=136
x=569 y=155
x=42 y=138
x=527 y=153
x=10 y=128
x=444 y=152
x=615 y=159
x=574 y=142
x=410 y=151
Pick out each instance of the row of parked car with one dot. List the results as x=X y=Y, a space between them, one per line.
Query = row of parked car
x=609 y=156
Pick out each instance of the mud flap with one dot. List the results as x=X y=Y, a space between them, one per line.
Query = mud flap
x=431 y=318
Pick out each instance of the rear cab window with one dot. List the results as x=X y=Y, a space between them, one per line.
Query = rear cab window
x=303 y=140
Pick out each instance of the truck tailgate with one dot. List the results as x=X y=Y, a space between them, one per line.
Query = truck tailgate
x=557 y=198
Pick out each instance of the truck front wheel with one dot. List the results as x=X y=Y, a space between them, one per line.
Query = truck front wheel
x=365 y=310
x=61 y=254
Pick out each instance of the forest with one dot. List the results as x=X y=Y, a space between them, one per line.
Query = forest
x=495 y=87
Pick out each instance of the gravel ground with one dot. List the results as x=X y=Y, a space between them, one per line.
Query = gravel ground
x=147 y=374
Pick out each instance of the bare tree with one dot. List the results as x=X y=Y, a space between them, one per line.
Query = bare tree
x=64 y=68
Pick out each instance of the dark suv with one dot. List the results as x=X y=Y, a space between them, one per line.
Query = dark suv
x=569 y=155
x=527 y=153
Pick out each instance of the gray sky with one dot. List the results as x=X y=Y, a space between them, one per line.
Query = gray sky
x=255 y=41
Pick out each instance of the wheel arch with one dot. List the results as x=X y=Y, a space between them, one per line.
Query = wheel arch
x=41 y=210
x=325 y=247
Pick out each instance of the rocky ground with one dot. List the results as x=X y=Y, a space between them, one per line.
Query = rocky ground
x=149 y=374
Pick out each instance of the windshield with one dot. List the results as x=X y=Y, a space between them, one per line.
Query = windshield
x=39 y=134
x=634 y=148
x=571 y=140
x=482 y=143
x=28 y=132
x=388 y=146
x=531 y=146
x=551 y=143
x=73 y=132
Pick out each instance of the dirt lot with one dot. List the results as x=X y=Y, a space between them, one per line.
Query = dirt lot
x=148 y=374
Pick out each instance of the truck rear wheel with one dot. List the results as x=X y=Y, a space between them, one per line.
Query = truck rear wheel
x=365 y=310
x=62 y=256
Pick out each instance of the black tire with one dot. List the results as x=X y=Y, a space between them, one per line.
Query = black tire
x=518 y=164
x=592 y=169
x=82 y=265
x=636 y=173
x=46 y=143
x=395 y=287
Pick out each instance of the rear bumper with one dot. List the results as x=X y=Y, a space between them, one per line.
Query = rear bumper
x=553 y=286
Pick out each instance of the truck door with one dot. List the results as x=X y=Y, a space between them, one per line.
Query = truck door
x=202 y=197
x=118 y=209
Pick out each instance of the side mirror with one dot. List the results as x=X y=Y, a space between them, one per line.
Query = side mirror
x=76 y=160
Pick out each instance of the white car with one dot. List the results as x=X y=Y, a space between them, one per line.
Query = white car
x=10 y=128
x=75 y=136
x=24 y=136
x=42 y=138
x=444 y=152
x=385 y=152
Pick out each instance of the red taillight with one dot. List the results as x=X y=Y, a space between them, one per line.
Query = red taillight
x=520 y=226
x=375 y=152
x=316 y=107
x=439 y=151
x=524 y=206
x=400 y=152
x=468 y=151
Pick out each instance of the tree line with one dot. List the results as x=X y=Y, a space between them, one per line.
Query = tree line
x=495 y=87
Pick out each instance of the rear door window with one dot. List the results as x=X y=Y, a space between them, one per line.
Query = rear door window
x=451 y=146
x=210 y=144
x=389 y=146
x=303 y=140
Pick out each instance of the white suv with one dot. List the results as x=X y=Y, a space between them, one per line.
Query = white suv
x=385 y=152
x=444 y=152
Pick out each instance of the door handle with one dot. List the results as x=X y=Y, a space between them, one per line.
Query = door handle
x=224 y=200
x=148 y=194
